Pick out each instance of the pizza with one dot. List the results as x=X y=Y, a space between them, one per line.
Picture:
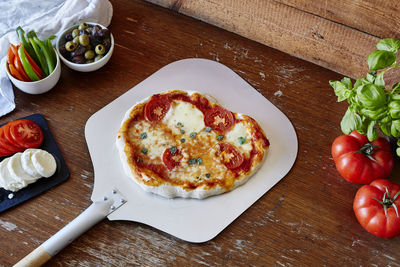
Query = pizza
x=184 y=144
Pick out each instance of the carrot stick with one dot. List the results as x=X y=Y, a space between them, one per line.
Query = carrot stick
x=15 y=73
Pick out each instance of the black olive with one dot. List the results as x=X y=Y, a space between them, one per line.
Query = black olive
x=94 y=40
x=78 y=59
x=79 y=51
x=68 y=37
x=107 y=44
x=64 y=51
x=95 y=30
x=105 y=33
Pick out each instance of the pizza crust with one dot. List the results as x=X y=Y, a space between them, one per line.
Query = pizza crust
x=149 y=181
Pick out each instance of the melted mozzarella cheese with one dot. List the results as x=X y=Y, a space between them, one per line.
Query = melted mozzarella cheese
x=239 y=131
x=155 y=141
x=191 y=119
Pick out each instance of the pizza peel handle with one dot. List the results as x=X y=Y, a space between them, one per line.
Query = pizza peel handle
x=95 y=213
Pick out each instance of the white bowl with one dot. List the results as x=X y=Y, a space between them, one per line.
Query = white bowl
x=41 y=86
x=89 y=66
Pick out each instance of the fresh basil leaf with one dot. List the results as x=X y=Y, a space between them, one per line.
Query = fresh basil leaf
x=388 y=44
x=360 y=82
x=386 y=119
x=347 y=82
x=385 y=128
x=394 y=109
x=370 y=77
x=395 y=128
x=375 y=114
x=371 y=96
x=398 y=142
x=341 y=90
x=380 y=59
x=350 y=121
x=372 y=133
x=398 y=151
x=379 y=79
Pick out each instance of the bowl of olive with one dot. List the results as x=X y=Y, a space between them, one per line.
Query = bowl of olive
x=85 y=46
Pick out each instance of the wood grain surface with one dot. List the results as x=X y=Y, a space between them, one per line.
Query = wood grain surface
x=305 y=220
x=337 y=35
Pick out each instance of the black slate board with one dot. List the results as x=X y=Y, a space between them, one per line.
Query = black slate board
x=43 y=184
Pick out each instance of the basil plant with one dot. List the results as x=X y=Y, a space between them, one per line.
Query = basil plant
x=372 y=106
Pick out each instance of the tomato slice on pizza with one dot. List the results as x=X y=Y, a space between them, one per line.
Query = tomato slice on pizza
x=231 y=157
x=219 y=119
x=156 y=108
x=171 y=157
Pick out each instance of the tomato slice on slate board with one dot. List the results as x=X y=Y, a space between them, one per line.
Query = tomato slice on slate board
x=10 y=139
x=6 y=144
x=157 y=107
x=231 y=157
x=219 y=119
x=26 y=133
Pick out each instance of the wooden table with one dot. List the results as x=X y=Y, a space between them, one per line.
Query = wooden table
x=304 y=220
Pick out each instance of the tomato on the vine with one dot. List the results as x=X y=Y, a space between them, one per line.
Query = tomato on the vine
x=360 y=161
x=376 y=207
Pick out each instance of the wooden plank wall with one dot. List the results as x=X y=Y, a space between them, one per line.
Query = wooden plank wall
x=335 y=34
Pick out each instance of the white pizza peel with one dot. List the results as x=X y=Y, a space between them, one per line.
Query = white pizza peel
x=117 y=197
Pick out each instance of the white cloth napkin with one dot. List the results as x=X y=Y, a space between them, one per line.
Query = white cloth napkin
x=46 y=17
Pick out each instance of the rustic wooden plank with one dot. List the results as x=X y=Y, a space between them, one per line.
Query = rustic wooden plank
x=307 y=36
x=376 y=17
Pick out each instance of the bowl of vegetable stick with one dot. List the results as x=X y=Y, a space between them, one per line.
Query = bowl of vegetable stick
x=33 y=66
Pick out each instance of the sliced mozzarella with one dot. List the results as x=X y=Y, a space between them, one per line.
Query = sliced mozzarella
x=27 y=165
x=7 y=181
x=17 y=172
x=189 y=117
x=239 y=131
x=44 y=163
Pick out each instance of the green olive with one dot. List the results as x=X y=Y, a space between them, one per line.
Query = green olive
x=70 y=46
x=100 y=49
x=84 y=39
x=82 y=26
x=89 y=54
x=88 y=29
x=76 y=40
x=89 y=47
x=75 y=33
x=98 y=57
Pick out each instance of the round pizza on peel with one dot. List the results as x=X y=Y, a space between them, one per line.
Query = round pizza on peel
x=182 y=144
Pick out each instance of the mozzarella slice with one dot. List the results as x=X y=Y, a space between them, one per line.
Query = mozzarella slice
x=7 y=181
x=189 y=117
x=44 y=163
x=27 y=165
x=239 y=131
x=16 y=171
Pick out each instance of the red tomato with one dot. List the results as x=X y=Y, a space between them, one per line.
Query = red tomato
x=376 y=207
x=26 y=133
x=219 y=119
x=359 y=161
x=157 y=107
x=231 y=157
x=171 y=158
x=5 y=144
